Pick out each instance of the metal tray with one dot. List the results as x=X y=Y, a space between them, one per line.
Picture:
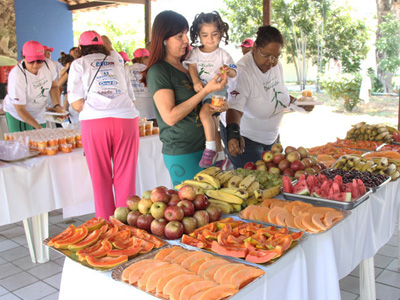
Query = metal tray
x=345 y=213
x=53 y=113
x=376 y=188
x=328 y=202
x=117 y=272
x=32 y=153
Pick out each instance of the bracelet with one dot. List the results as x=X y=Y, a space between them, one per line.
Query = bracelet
x=233 y=132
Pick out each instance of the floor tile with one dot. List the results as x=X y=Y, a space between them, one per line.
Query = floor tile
x=2 y=238
x=54 y=281
x=15 y=253
x=394 y=241
x=18 y=281
x=347 y=296
x=52 y=296
x=84 y=218
x=13 y=232
x=350 y=284
x=389 y=278
x=54 y=230
x=394 y=266
x=389 y=250
x=55 y=219
x=21 y=239
x=7 y=245
x=2 y=261
x=55 y=254
x=3 y=291
x=10 y=296
x=45 y=270
x=382 y=261
x=385 y=292
x=60 y=261
x=24 y=263
x=55 y=212
x=8 y=226
x=356 y=272
x=8 y=269
x=35 y=291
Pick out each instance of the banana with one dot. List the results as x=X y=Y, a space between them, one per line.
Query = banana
x=178 y=186
x=245 y=183
x=260 y=195
x=372 y=168
x=383 y=163
x=360 y=165
x=225 y=207
x=241 y=193
x=254 y=186
x=251 y=201
x=391 y=129
x=209 y=179
x=224 y=177
x=367 y=165
x=234 y=181
x=388 y=170
x=395 y=175
x=213 y=171
x=201 y=184
x=236 y=207
x=224 y=196
x=199 y=190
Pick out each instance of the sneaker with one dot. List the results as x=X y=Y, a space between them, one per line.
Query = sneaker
x=208 y=158
x=223 y=164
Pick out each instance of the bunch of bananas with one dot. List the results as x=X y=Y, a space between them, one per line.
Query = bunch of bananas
x=377 y=165
x=228 y=191
x=366 y=132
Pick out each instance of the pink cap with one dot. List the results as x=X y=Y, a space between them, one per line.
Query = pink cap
x=32 y=51
x=141 y=52
x=51 y=49
x=247 y=43
x=90 y=37
x=124 y=55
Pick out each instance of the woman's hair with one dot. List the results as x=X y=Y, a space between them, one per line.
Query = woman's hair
x=268 y=34
x=65 y=58
x=208 y=18
x=166 y=24
x=91 y=49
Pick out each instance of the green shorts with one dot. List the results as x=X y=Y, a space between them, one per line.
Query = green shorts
x=15 y=125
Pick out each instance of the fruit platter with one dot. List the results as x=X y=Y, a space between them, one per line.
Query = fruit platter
x=244 y=241
x=102 y=245
x=294 y=214
x=179 y=272
x=321 y=190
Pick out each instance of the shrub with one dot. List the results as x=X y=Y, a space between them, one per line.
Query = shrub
x=346 y=86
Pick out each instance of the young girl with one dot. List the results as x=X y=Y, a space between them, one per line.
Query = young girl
x=204 y=63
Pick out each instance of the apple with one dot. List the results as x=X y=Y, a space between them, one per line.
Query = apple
x=174 y=213
x=157 y=227
x=297 y=165
x=313 y=159
x=201 y=201
x=146 y=194
x=259 y=162
x=267 y=156
x=317 y=168
x=202 y=218
x=284 y=164
x=307 y=162
x=274 y=170
x=289 y=149
x=292 y=156
x=250 y=165
x=214 y=212
x=159 y=194
x=173 y=230
x=144 y=222
x=262 y=167
x=299 y=173
x=187 y=207
x=288 y=172
x=278 y=157
x=277 y=148
x=187 y=192
x=172 y=192
x=272 y=165
x=157 y=209
x=132 y=202
x=303 y=151
x=145 y=205
x=310 y=171
x=189 y=224
x=132 y=218
x=174 y=200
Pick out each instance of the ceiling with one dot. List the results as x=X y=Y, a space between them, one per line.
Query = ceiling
x=93 y=4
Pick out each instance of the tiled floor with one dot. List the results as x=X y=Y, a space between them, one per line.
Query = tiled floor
x=22 y=279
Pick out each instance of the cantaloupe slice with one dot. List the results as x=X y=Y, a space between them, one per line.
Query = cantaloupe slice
x=274 y=212
x=164 y=279
x=308 y=224
x=296 y=210
x=280 y=203
x=136 y=273
x=209 y=272
x=245 y=276
x=245 y=213
x=177 y=288
x=194 y=267
x=320 y=210
x=261 y=212
x=173 y=254
x=316 y=219
x=281 y=218
x=298 y=222
x=289 y=220
x=252 y=214
x=218 y=292
x=332 y=217
x=164 y=252
x=221 y=271
x=159 y=272
x=196 y=255
x=170 y=284
x=226 y=278
x=305 y=209
x=181 y=257
x=208 y=264
x=195 y=287
x=129 y=269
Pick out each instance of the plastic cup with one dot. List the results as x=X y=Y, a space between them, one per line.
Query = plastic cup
x=51 y=150
x=155 y=130
x=217 y=100
x=142 y=129
x=66 y=148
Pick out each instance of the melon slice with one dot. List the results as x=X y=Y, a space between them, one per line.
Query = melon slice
x=136 y=273
x=210 y=272
x=301 y=188
x=218 y=292
x=279 y=203
x=177 y=288
x=194 y=267
x=298 y=222
x=320 y=210
x=142 y=282
x=164 y=252
x=308 y=224
x=281 y=218
x=291 y=204
x=208 y=264
x=252 y=214
x=195 y=287
x=181 y=257
x=243 y=277
x=267 y=202
x=317 y=221
x=132 y=267
x=226 y=278
x=196 y=255
x=274 y=212
x=332 y=217
x=174 y=253
x=261 y=212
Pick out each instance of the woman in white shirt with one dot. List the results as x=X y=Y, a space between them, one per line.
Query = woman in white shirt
x=99 y=91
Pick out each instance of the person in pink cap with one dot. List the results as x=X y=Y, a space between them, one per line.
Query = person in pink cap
x=246 y=46
x=29 y=84
x=99 y=90
x=124 y=56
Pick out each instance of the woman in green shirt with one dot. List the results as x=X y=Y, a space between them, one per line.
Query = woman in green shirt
x=176 y=103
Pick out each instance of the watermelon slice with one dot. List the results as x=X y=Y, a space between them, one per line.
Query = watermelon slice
x=343 y=197
x=311 y=182
x=301 y=188
x=339 y=180
x=302 y=177
x=347 y=187
x=355 y=191
x=317 y=192
x=361 y=187
x=287 y=185
x=326 y=185
x=321 y=178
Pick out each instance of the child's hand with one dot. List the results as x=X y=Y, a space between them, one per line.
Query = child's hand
x=224 y=69
x=198 y=86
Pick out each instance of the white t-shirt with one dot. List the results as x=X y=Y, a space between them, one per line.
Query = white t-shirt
x=144 y=101
x=25 y=88
x=58 y=68
x=262 y=97
x=110 y=95
x=117 y=56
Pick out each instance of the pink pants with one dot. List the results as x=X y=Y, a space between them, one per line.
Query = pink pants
x=108 y=142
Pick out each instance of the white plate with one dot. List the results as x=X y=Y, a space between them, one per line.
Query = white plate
x=301 y=103
x=63 y=113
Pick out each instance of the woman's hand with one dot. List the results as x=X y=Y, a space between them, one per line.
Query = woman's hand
x=220 y=109
x=217 y=83
x=198 y=86
x=234 y=147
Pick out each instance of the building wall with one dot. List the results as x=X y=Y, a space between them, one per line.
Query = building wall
x=46 y=21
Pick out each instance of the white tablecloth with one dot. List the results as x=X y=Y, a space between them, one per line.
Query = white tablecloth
x=310 y=271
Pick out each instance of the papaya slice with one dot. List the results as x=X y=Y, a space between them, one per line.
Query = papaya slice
x=131 y=251
x=142 y=281
x=109 y=232
x=210 y=271
x=192 y=241
x=177 y=288
x=170 y=284
x=114 y=221
x=332 y=217
x=194 y=267
x=290 y=205
x=274 y=212
x=119 y=236
x=281 y=218
x=195 y=287
x=175 y=253
x=252 y=214
x=221 y=271
x=228 y=250
x=308 y=224
x=305 y=210
x=146 y=245
x=137 y=273
x=89 y=240
x=83 y=252
x=181 y=257
x=320 y=210
x=244 y=276
x=279 y=203
x=130 y=268
x=261 y=212
x=218 y=292
x=164 y=252
x=106 y=262
x=143 y=235
x=164 y=279
x=298 y=222
x=267 y=202
x=196 y=255
x=68 y=232
x=316 y=219
x=208 y=264
x=158 y=273
x=296 y=210
x=226 y=278
x=289 y=220
x=122 y=244
x=260 y=256
x=93 y=224
x=79 y=235
x=245 y=213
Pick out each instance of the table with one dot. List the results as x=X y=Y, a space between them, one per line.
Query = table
x=310 y=271
x=31 y=188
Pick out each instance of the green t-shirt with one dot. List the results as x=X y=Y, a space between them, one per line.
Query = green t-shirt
x=186 y=136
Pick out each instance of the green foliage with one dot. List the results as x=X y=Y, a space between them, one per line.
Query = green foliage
x=389 y=44
x=376 y=85
x=346 y=86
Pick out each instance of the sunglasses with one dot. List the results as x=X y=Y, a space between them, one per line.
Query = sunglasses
x=39 y=62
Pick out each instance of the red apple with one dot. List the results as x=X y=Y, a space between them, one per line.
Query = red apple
x=297 y=165
x=201 y=201
x=262 y=167
x=187 y=207
x=292 y=156
x=172 y=192
x=189 y=224
x=298 y=173
x=157 y=209
x=267 y=156
x=307 y=162
x=174 y=213
x=274 y=170
x=284 y=164
x=132 y=202
x=157 y=227
x=288 y=172
x=160 y=194
x=317 y=168
x=303 y=151
x=272 y=165
x=310 y=171
x=173 y=230
x=174 y=200
x=250 y=165
x=214 y=213
x=278 y=157
x=289 y=149
x=187 y=192
x=277 y=148
x=259 y=162
x=132 y=218
x=201 y=217
x=144 y=206
x=144 y=222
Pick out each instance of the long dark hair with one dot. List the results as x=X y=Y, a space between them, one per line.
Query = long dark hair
x=208 y=18
x=268 y=34
x=91 y=49
x=167 y=23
